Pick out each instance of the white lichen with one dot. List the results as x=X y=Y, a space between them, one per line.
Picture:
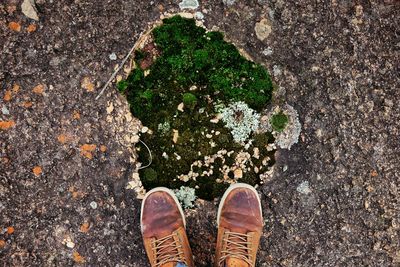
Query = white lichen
x=304 y=188
x=241 y=120
x=186 y=196
x=164 y=128
x=189 y=4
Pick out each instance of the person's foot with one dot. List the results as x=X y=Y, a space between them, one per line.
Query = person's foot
x=240 y=225
x=163 y=229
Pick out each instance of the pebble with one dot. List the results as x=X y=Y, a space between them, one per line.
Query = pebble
x=285 y=167
x=110 y=108
x=28 y=9
x=113 y=56
x=93 y=204
x=263 y=29
x=135 y=139
x=144 y=129
x=180 y=107
x=238 y=173
x=215 y=120
x=5 y=110
x=175 y=136
x=177 y=156
x=70 y=244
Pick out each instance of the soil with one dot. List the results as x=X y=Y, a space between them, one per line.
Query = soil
x=65 y=160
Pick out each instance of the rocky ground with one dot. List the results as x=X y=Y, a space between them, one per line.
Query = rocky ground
x=65 y=157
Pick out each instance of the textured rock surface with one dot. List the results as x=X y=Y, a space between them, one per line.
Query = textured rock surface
x=61 y=151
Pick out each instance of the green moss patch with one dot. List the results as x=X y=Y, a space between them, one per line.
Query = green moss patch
x=184 y=89
x=279 y=121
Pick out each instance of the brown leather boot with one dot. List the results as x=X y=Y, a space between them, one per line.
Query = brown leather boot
x=163 y=229
x=240 y=225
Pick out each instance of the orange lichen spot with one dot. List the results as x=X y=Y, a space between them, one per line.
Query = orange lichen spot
x=38 y=89
x=31 y=28
x=7 y=95
x=87 y=84
x=78 y=258
x=37 y=170
x=4 y=125
x=10 y=230
x=76 y=115
x=84 y=227
x=64 y=138
x=87 y=149
x=103 y=148
x=16 y=88
x=14 y=26
x=374 y=173
x=27 y=104
x=2 y=243
x=75 y=194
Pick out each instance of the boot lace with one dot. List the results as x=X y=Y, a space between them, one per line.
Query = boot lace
x=167 y=249
x=237 y=246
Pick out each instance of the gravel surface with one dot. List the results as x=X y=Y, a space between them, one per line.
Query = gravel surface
x=65 y=158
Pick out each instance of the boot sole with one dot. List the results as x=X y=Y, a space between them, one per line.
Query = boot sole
x=230 y=189
x=168 y=191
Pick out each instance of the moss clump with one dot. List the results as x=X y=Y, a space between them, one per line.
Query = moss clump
x=279 y=121
x=190 y=100
x=203 y=71
x=150 y=174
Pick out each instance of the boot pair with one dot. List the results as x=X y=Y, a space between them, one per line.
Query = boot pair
x=239 y=221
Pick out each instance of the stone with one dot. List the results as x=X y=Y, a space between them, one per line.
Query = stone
x=180 y=107
x=110 y=108
x=93 y=204
x=175 y=136
x=113 y=56
x=28 y=9
x=215 y=120
x=238 y=173
x=70 y=244
x=263 y=29
x=5 y=111
x=134 y=139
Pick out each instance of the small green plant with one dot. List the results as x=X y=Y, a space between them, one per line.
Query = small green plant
x=279 y=121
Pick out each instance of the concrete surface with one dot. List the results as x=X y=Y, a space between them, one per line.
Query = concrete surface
x=65 y=158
